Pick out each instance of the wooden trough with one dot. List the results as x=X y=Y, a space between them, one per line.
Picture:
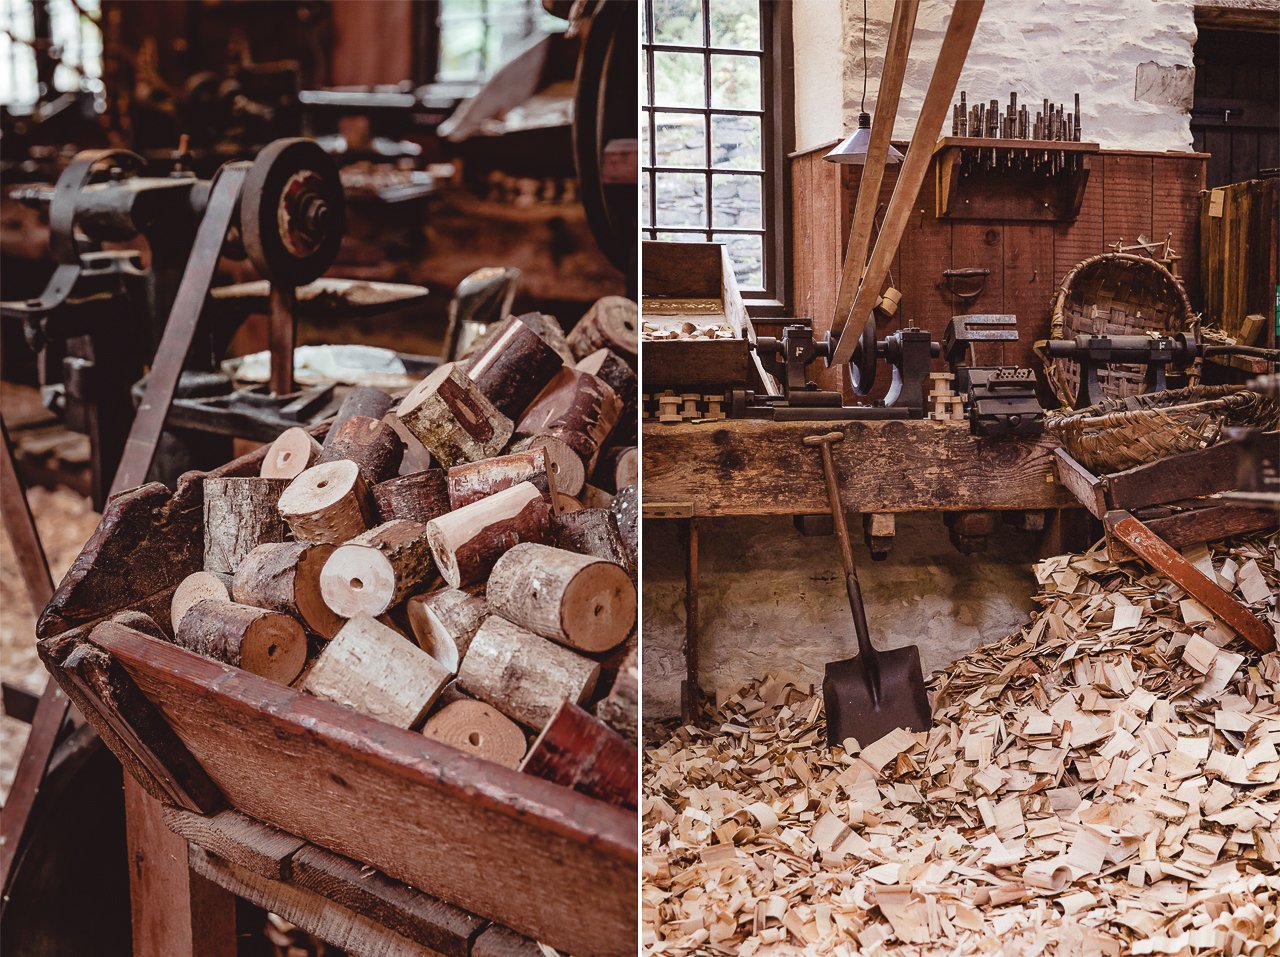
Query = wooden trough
x=307 y=807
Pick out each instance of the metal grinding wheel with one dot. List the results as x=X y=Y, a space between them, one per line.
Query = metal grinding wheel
x=292 y=212
x=862 y=370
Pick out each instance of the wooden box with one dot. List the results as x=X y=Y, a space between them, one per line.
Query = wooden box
x=209 y=739
x=693 y=282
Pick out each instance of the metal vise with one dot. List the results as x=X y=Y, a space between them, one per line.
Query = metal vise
x=1002 y=399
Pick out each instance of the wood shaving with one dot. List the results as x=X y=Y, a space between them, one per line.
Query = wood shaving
x=1085 y=789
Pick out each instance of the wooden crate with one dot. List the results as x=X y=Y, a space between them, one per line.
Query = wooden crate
x=207 y=738
x=1239 y=228
x=693 y=282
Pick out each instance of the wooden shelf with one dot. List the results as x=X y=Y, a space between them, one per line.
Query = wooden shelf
x=1012 y=194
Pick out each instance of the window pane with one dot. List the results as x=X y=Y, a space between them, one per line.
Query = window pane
x=677 y=21
x=747 y=255
x=735 y=201
x=678 y=79
x=735 y=142
x=735 y=82
x=681 y=237
x=736 y=24
x=681 y=139
x=644 y=202
x=681 y=199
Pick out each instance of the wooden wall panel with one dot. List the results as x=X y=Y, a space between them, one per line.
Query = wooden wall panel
x=1128 y=194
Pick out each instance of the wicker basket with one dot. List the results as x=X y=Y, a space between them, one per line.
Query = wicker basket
x=1114 y=294
x=1117 y=434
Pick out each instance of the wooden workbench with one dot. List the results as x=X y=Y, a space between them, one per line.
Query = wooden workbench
x=759 y=467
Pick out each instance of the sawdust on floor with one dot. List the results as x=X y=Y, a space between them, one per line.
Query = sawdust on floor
x=1104 y=781
x=65 y=521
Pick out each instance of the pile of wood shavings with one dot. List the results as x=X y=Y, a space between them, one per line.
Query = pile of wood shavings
x=1102 y=782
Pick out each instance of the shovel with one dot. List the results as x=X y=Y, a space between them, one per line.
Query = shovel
x=868 y=696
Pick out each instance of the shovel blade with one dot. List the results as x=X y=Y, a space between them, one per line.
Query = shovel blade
x=852 y=710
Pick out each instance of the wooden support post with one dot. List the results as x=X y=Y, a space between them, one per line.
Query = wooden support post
x=283 y=332
x=690 y=694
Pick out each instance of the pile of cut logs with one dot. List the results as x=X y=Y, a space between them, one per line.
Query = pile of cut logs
x=462 y=561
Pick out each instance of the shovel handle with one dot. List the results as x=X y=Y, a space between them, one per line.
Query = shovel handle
x=824 y=443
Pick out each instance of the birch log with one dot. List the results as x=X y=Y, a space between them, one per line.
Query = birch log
x=523 y=675
x=370 y=443
x=626 y=506
x=239 y=515
x=620 y=708
x=377 y=570
x=476 y=480
x=579 y=410
x=262 y=642
x=449 y=415
x=377 y=671
x=576 y=600
x=285 y=577
x=594 y=532
x=445 y=621
x=419 y=497
x=467 y=542
x=327 y=503
x=581 y=752
x=195 y=588
x=608 y=365
x=513 y=367
x=478 y=729
x=292 y=453
x=611 y=323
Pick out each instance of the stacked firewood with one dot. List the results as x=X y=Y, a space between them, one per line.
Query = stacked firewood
x=461 y=561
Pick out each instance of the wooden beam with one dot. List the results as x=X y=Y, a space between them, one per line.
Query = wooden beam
x=756 y=467
x=937 y=100
x=864 y=210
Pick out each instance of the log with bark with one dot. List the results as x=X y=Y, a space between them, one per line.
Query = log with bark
x=593 y=497
x=363 y=400
x=548 y=327
x=581 y=752
x=626 y=506
x=370 y=443
x=285 y=577
x=416 y=457
x=617 y=467
x=611 y=323
x=478 y=729
x=613 y=369
x=263 y=642
x=578 y=410
x=377 y=570
x=579 y=601
x=293 y=452
x=419 y=497
x=476 y=480
x=523 y=675
x=564 y=468
x=467 y=542
x=328 y=503
x=620 y=708
x=513 y=368
x=445 y=621
x=449 y=415
x=195 y=588
x=377 y=671
x=239 y=515
x=593 y=531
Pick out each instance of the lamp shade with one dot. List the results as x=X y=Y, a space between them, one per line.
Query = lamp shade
x=853 y=149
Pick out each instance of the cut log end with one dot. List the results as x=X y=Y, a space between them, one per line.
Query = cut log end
x=478 y=729
x=568 y=474
x=274 y=647
x=292 y=453
x=358 y=579
x=195 y=588
x=326 y=503
x=599 y=607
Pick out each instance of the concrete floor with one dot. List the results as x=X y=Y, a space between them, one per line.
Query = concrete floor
x=772 y=600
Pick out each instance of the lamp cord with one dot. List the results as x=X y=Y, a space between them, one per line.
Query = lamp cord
x=864 y=57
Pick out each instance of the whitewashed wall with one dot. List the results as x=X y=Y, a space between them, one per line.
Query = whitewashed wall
x=1130 y=61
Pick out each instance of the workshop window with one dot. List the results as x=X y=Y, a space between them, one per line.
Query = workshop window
x=711 y=155
x=58 y=43
x=476 y=37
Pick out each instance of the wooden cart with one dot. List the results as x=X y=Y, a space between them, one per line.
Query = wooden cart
x=367 y=835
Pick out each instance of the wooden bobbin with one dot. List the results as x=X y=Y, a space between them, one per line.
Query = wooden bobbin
x=370 y=443
x=476 y=480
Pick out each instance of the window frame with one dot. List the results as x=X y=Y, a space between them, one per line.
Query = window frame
x=776 y=141
x=429 y=23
